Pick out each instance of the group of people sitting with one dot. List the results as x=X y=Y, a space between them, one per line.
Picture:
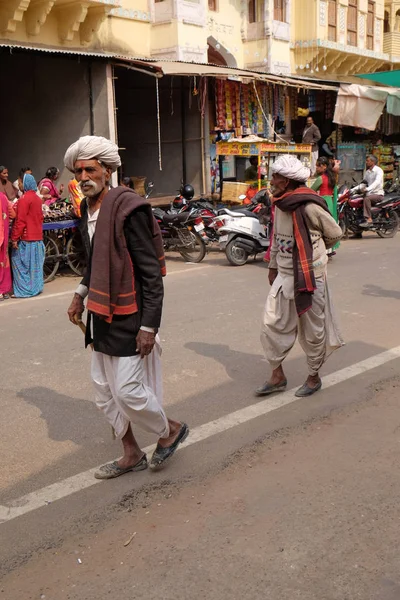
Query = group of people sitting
x=21 y=205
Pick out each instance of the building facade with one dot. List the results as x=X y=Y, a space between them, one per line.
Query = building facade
x=244 y=33
x=339 y=37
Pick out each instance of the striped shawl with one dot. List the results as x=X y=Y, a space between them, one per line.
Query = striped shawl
x=112 y=279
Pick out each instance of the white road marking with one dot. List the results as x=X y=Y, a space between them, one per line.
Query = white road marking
x=13 y=302
x=84 y=480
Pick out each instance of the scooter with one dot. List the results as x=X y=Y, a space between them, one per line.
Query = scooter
x=243 y=235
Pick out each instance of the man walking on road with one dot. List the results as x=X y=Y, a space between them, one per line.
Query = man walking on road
x=312 y=135
x=298 y=302
x=123 y=283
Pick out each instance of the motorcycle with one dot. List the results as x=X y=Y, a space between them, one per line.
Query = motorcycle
x=244 y=233
x=351 y=214
x=182 y=232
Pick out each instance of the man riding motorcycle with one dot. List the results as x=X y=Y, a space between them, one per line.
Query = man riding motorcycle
x=371 y=187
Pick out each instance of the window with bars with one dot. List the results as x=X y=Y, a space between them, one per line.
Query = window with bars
x=280 y=10
x=252 y=5
x=352 y=15
x=370 y=25
x=332 y=20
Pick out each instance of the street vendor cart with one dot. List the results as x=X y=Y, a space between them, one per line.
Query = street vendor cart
x=267 y=152
x=63 y=244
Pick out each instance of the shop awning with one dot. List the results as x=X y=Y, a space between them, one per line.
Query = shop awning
x=362 y=105
x=161 y=67
x=391 y=78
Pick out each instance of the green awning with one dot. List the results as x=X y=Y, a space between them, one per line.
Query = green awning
x=391 y=78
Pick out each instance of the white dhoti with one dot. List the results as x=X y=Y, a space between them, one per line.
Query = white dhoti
x=316 y=329
x=129 y=389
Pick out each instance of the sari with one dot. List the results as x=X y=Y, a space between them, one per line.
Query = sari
x=330 y=196
x=28 y=258
x=5 y=270
x=53 y=191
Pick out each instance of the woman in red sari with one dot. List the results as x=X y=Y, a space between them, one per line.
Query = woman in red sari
x=6 y=213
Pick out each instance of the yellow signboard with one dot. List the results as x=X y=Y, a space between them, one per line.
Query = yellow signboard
x=256 y=148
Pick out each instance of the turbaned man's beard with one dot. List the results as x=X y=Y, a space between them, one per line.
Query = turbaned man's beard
x=91 y=190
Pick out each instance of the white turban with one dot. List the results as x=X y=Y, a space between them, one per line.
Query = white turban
x=291 y=167
x=93 y=147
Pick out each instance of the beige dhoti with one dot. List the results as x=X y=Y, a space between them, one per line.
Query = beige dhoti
x=316 y=329
x=129 y=389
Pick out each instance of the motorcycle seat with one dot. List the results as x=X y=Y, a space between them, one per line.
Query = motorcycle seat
x=231 y=213
x=174 y=219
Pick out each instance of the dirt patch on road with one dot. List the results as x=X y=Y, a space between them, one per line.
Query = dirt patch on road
x=310 y=514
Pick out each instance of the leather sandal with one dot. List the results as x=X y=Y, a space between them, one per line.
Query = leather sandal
x=161 y=455
x=306 y=390
x=269 y=388
x=112 y=470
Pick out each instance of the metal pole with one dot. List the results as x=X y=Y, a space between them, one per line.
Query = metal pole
x=183 y=130
x=91 y=111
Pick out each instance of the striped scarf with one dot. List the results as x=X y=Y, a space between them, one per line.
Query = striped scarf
x=295 y=202
x=112 y=276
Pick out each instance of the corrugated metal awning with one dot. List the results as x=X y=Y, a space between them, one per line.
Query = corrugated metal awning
x=167 y=67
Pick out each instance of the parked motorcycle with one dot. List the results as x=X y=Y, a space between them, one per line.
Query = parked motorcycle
x=242 y=234
x=351 y=214
x=184 y=202
x=182 y=232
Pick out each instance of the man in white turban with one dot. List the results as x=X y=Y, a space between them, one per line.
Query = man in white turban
x=298 y=303
x=124 y=306
x=93 y=146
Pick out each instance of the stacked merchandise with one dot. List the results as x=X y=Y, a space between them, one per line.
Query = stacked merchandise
x=386 y=161
x=240 y=108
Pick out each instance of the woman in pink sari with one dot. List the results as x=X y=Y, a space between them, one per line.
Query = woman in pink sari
x=48 y=189
x=6 y=213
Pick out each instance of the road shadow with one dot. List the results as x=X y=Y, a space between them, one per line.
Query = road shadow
x=66 y=418
x=245 y=371
x=239 y=366
x=379 y=292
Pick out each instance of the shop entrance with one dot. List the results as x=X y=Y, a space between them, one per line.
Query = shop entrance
x=48 y=102
x=179 y=149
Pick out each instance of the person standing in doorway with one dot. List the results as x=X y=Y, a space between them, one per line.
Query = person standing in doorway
x=27 y=257
x=298 y=303
x=312 y=135
x=6 y=187
x=124 y=287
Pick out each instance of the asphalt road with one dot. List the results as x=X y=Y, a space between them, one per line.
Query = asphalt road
x=50 y=430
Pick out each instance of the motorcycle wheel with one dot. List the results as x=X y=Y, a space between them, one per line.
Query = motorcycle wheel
x=236 y=256
x=391 y=228
x=198 y=252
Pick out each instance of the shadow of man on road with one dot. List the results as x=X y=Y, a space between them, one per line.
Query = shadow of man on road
x=379 y=292
x=66 y=418
x=239 y=366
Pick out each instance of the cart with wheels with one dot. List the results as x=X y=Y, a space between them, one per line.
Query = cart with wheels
x=63 y=245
